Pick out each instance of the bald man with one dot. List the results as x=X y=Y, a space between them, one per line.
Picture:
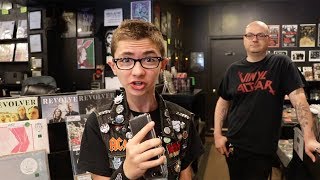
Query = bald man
x=251 y=97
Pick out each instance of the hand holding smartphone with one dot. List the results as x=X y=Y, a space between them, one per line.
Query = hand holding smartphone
x=136 y=124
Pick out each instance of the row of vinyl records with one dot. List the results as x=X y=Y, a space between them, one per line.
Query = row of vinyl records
x=26 y=138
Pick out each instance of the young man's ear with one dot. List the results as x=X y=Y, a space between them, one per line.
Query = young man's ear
x=112 y=65
x=164 y=62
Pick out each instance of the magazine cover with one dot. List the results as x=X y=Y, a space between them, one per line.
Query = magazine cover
x=141 y=10
x=75 y=127
x=307 y=35
x=274 y=35
x=23 y=136
x=95 y=100
x=27 y=166
x=69 y=28
x=6 y=52
x=21 y=53
x=289 y=35
x=85 y=23
x=18 y=109
x=6 y=29
x=55 y=108
x=22 y=31
x=85 y=53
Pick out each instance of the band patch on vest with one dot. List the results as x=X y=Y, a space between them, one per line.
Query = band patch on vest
x=173 y=149
x=118 y=144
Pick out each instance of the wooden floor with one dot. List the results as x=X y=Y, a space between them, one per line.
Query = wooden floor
x=212 y=165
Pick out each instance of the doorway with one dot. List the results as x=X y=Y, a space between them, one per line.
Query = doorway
x=223 y=52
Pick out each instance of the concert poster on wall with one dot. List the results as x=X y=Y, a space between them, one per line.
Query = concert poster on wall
x=289 y=35
x=274 y=36
x=141 y=10
x=307 y=35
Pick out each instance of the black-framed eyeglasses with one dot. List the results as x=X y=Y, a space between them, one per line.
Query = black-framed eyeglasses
x=259 y=36
x=128 y=63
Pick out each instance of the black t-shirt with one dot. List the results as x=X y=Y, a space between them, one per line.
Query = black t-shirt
x=256 y=91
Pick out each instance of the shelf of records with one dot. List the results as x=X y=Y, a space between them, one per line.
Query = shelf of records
x=8 y=30
x=312 y=72
x=27 y=130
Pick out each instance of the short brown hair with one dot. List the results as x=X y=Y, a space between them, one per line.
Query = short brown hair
x=132 y=29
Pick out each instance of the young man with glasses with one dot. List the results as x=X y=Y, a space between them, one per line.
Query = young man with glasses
x=251 y=97
x=108 y=149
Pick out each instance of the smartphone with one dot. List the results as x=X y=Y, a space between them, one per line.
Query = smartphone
x=136 y=124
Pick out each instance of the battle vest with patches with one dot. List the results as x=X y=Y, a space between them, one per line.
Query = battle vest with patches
x=115 y=131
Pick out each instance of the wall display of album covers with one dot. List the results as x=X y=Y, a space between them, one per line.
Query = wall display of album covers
x=307 y=36
x=274 y=35
x=6 y=29
x=141 y=10
x=85 y=53
x=283 y=52
x=314 y=55
x=298 y=56
x=21 y=54
x=6 y=52
x=22 y=31
x=289 y=35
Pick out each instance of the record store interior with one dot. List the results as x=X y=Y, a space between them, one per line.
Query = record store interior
x=56 y=73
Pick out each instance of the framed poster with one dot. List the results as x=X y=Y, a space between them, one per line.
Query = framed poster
x=85 y=53
x=298 y=56
x=35 y=20
x=314 y=55
x=307 y=35
x=289 y=35
x=141 y=10
x=35 y=43
x=274 y=35
x=283 y=52
x=70 y=29
x=85 y=22
x=108 y=38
